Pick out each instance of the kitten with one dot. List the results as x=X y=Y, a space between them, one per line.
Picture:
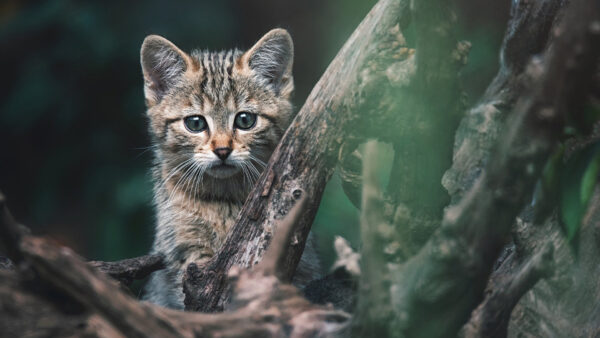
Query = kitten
x=215 y=118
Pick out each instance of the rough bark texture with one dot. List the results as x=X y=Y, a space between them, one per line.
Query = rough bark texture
x=423 y=274
x=491 y=317
x=128 y=270
x=374 y=308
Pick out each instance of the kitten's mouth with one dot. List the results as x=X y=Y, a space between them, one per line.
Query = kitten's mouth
x=222 y=170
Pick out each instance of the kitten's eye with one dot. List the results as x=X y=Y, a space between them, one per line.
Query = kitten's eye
x=195 y=124
x=244 y=120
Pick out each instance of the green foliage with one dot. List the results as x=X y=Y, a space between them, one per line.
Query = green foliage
x=546 y=192
x=568 y=185
x=584 y=122
x=577 y=184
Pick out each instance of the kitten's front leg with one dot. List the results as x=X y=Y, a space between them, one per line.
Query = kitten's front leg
x=198 y=255
x=191 y=254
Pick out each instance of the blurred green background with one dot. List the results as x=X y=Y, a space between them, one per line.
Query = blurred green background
x=74 y=162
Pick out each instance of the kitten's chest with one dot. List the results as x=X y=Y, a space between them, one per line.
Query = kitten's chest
x=219 y=217
x=205 y=223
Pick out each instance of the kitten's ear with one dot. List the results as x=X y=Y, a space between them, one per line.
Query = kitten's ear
x=272 y=58
x=162 y=64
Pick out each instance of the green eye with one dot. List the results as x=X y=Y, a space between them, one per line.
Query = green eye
x=244 y=120
x=195 y=124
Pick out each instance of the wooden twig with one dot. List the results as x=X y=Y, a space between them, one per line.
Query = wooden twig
x=272 y=263
x=128 y=270
x=374 y=307
x=64 y=270
x=490 y=319
x=125 y=271
x=11 y=232
x=527 y=35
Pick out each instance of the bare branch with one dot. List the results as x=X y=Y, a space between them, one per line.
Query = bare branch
x=272 y=263
x=65 y=271
x=125 y=271
x=128 y=270
x=374 y=308
x=491 y=317
x=11 y=232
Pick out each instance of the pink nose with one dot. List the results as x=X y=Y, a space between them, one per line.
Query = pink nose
x=222 y=153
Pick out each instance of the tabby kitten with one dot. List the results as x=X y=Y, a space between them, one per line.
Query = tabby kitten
x=215 y=118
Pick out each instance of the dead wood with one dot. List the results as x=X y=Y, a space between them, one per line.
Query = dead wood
x=490 y=319
x=59 y=293
x=124 y=271
x=128 y=270
x=374 y=308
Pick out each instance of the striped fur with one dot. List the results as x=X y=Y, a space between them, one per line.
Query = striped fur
x=197 y=202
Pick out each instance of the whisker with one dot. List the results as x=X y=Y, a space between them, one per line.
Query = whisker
x=186 y=184
x=181 y=179
x=192 y=180
x=173 y=172
x=254 y=169
x=144 y=150
x=198 y=178
x=247 y=178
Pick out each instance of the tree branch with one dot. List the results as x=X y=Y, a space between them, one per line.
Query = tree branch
x=68 y=273
x=125 y=271
x=455 y=264
x=374 y=307
x=11 y=232
x=272 y=262
x=128 y=270
x=263 y=305
x=527 y=35
x=491 y=317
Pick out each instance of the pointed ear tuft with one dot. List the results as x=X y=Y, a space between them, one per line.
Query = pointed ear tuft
x=162 y=64
x=272 y=57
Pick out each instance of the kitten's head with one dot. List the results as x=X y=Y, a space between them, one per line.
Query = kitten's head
x=216 y=117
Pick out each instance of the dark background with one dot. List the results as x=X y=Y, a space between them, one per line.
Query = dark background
x=74 y=160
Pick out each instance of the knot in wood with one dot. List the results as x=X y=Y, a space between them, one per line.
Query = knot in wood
x=193 y=271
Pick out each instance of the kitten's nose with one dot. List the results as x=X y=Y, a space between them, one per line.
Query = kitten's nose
x=222 y=153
